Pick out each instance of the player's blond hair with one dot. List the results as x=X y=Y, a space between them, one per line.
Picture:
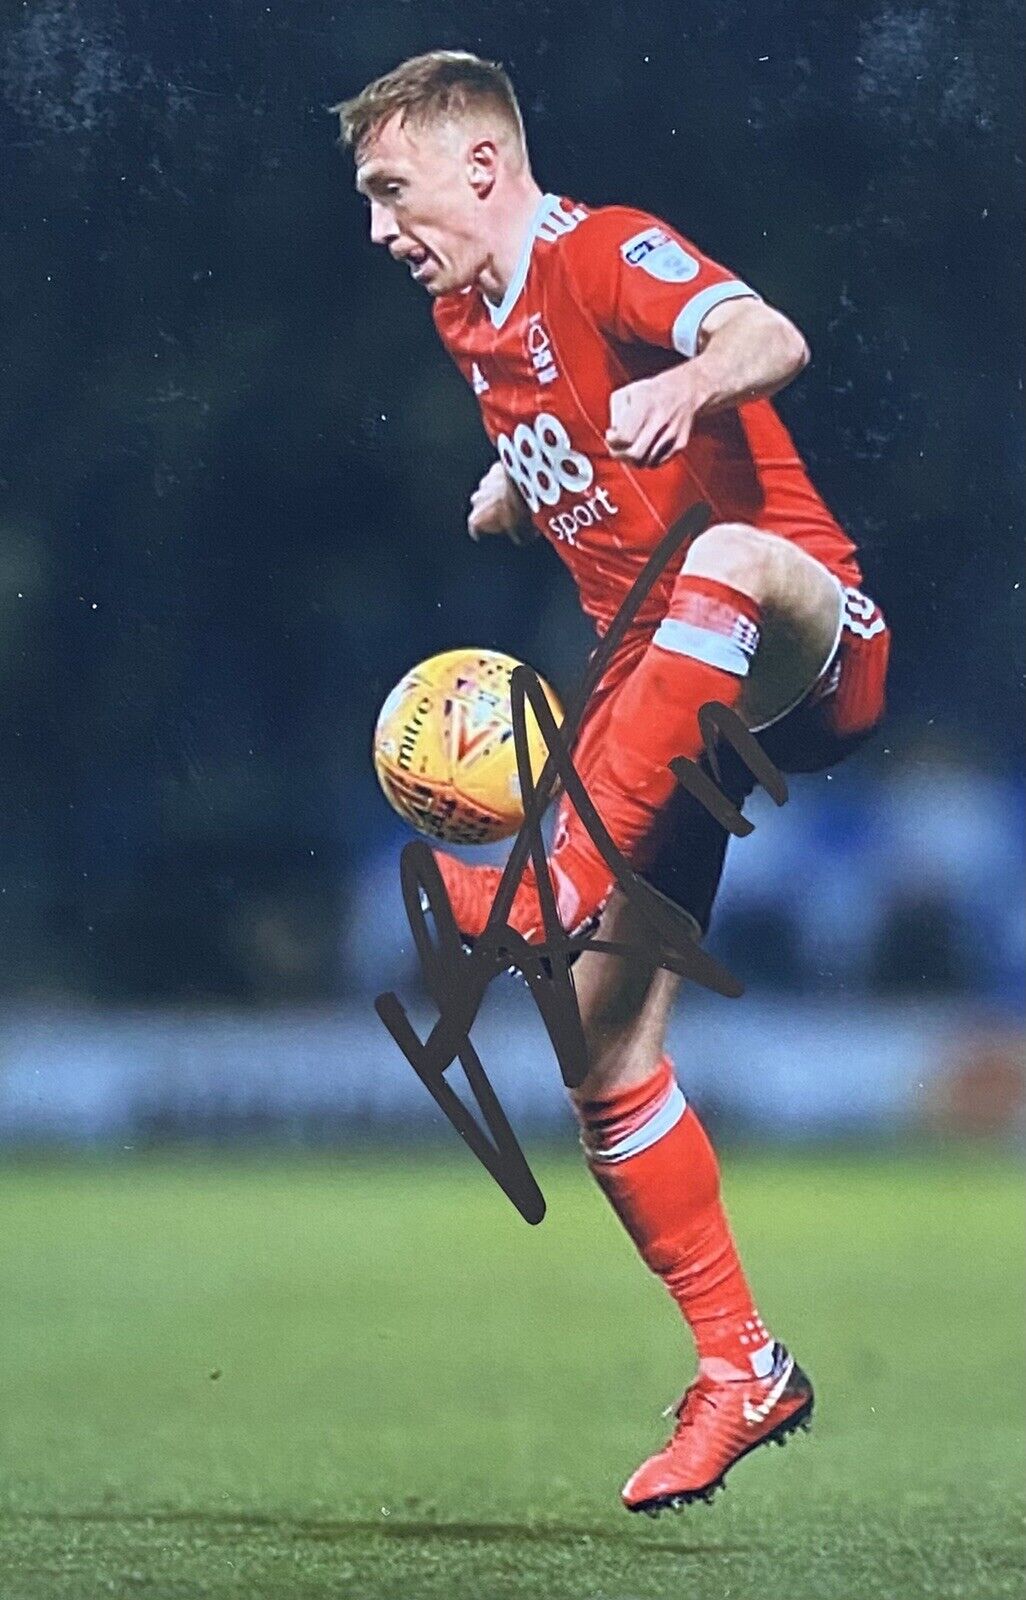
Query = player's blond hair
x=431 y=88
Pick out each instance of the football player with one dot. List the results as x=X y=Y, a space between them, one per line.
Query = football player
x=622 y=376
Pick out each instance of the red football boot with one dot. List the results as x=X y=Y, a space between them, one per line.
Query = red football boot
x=717 y=1424
x=471 y=890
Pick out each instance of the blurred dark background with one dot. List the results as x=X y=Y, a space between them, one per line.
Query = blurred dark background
x=235 y=465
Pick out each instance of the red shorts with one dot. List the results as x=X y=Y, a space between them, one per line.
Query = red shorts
x=835 y=716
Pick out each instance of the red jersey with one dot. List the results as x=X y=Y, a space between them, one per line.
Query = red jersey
x=600 y=298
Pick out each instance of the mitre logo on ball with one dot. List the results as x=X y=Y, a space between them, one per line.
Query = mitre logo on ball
x=444 y=750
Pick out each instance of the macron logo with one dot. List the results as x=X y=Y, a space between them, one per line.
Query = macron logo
x=478 y=380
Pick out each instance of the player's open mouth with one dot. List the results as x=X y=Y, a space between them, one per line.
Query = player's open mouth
x=419 y=262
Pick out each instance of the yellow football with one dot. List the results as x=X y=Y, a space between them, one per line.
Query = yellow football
x=444 y=750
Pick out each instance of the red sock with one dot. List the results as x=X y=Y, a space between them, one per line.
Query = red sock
x=700 y=652
x=651 y=1157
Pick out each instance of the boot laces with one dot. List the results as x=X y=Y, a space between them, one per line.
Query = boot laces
x=685 y=1409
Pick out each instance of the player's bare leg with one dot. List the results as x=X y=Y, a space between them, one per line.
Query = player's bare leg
x=800 y=602
x=650 y=1155
x=625 y=1006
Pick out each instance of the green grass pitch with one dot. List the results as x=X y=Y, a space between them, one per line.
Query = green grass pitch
x=365 y=1377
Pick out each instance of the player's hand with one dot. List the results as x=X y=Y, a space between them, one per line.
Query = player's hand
x=651 y=420
x=496 y=506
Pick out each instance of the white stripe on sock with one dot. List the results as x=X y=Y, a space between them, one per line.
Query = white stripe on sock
x=715 y=649
x=659 y=1123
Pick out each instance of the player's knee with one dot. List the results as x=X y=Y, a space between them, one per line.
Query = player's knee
x=734 y=553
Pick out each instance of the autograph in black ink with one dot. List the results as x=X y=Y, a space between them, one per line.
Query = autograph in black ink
x=456 y=978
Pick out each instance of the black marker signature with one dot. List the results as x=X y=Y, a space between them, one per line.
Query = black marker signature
x=457 y=978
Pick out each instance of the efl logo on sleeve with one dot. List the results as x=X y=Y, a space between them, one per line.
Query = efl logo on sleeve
x=660 y=256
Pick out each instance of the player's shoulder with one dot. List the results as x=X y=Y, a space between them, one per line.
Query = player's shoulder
x=609 y=236
x=613 y=221
x=598 y=225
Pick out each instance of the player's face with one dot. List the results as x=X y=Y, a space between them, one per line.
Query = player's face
x=423 y=205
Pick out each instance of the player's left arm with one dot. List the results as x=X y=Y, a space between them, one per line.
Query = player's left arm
x=745 y=350
x=646 y=284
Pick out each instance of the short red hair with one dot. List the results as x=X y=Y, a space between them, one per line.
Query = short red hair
x=432 y=87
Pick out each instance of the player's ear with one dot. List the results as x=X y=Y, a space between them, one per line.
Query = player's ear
x=482 y=166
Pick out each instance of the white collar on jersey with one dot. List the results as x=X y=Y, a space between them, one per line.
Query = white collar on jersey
x=499 y=313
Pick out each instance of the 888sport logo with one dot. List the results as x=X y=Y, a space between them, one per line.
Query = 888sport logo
x=542 y=463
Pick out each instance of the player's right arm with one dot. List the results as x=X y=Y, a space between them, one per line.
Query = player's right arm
x=497 y=506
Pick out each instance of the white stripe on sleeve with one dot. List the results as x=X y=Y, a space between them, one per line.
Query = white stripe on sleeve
x=685 y=329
